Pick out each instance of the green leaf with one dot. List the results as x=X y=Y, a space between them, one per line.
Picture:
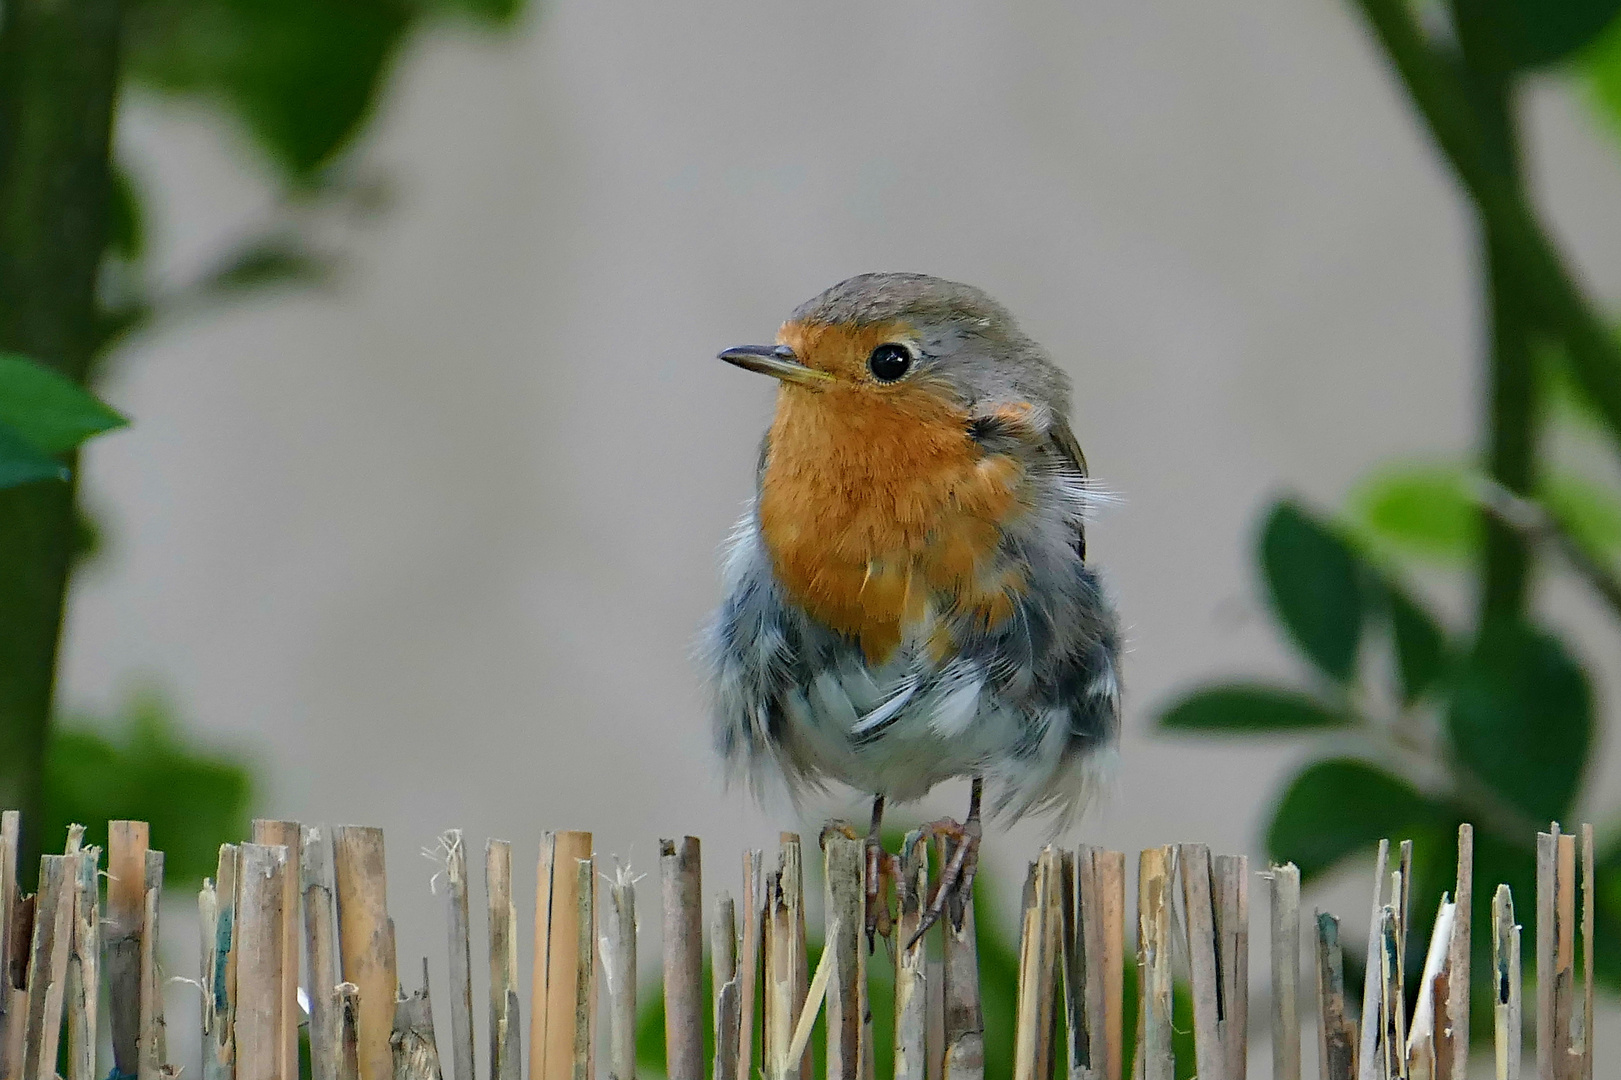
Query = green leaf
x=1588 y=511
x=22 y=463
x=50 y=412
x=1426 y=510
x=1421 y=651
x=1249 y=710
x=1342 y=806
x=193 y=799
x=1315 y=584
x=126 y=232
x=1521 y=719
x=1535 y=33
x=273 y=260
x=303 y=75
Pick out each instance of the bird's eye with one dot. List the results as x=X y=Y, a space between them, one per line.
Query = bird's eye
x=889 y=361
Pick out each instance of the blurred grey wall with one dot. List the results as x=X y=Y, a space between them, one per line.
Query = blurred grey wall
x=435 y=543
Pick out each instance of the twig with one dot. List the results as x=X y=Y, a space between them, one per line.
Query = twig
x=320 y=948
x=505 y=1025
x=1283 y=886
x=911 y=965
x=1336 y=1035
x=259 y=948
x=126 y=910
x=366 y=942
x=1508 y=1021
x=287 y=834
x=683 y=958
x=619 y=972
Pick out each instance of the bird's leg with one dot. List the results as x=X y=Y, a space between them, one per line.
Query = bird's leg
x=956 y=886
x=878 y=917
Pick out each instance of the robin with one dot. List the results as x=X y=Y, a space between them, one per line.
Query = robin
x=907 y=596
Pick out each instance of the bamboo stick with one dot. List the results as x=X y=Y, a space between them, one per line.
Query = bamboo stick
x=416 y=1055
x=503 y=935
x=1038 y=941
x=1589 y=885
x=1283 y=887
x=793 y=885
x=346 y=1007
x=783 y=950
x=1427 y=1029
x=1232 y=889
x=13 y=1010
x=1336 y=1035
x=815 y=994
x=683 y=959
x=844 y=902
x=748 y=961
x=619 y=973
x=1111 y=884
x=964 y=1020
x=84 y=967
x=723 y=980
x=208 y=911
x=1199 y=904
x=48 y=964
x=286 y=834
x=154 y=1050
x=126 y=910
x=1154 y=964
x=1567 y=1065
x=461 y=955
x=911 y=964
x=320 y=948
x=219 y=1043
x=260 y=954
x=1369 y=1062
x=366 y=941
x=1507 y=1007
x=17 y=1015
x=585 y=957
x=1392 y=1006
x=1072 y=962
x=1458 y=967
x=557 y=955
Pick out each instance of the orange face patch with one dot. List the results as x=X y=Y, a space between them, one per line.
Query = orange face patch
x=875 y=504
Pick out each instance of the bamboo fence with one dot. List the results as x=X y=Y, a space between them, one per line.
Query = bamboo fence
x=311 y=902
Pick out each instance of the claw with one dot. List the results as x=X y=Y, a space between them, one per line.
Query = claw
x=956 y=887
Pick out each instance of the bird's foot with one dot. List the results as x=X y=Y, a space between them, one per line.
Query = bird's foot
x=956 y=888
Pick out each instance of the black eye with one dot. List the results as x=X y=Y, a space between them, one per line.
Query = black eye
x=889 y=361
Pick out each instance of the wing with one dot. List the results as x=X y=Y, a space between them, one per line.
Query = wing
x=1063 y=443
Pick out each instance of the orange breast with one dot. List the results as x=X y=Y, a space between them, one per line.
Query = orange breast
x=880 y=513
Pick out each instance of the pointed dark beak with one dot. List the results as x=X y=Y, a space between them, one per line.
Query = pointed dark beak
x=778 y=361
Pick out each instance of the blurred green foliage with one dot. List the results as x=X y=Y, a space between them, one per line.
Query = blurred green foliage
x=1425 y=721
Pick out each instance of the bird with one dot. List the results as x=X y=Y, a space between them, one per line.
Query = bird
x=907 y=597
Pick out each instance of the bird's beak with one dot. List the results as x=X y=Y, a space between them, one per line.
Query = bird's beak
x=778 y=361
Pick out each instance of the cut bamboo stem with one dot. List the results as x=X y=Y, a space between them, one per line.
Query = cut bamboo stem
x=815 y=994
x=154 y=1038
x=320 y=948
x=48 y=964
x=260 y=953
x=1566 y=1063
x=1106 y=930
x=748 y=961
x=1427 y=1031
x=1456 y=1029
x=346 y=1007
x=1368 y=1055
x=10 y=979
x=219 y=997
x=1199 y=904
x=84 y=967
x=461 y=955
x=557 y=955
x=784 y=952
x=1336 y=1035
x=844 y=902
x=964 y=1020
x=1154 y=964
x=683 y=959
x=1392 y=1025
x=1232 y=890
x=911 y=965
x=126 y=910
x=723 y=980
x=1589 y=886
x=1507 y=1004
x=503 y=938
x=286 y=834
x=1283 y=887
x=365 y=942
x=793 y=883
x=619 y=973
x=416 y=1055
x=585 y=967
x=1035 y=1014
